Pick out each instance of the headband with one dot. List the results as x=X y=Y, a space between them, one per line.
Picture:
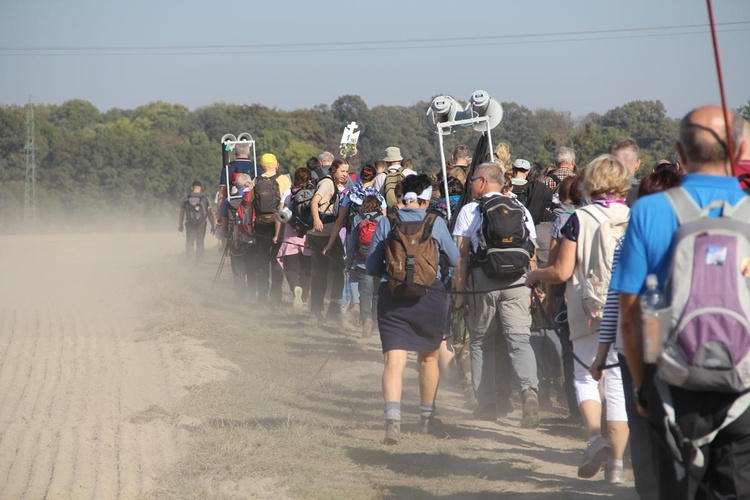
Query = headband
x=411 y=196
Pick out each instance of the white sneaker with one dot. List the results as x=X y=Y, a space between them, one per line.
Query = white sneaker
x=614 y=474
x=297 y=304
x=593 y=458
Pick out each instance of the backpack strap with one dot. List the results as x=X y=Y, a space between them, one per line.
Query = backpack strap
x=394 y=220
x=429 y=223
x=593 y=211
x=740 y=211
x=684 y=206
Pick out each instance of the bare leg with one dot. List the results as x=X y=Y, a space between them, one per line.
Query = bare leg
x=445 y=360
x=393 y=375
x=617 y=432
x=429 y=376
x=591 y=411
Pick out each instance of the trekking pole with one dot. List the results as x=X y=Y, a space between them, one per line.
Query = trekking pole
x=227 y=242
x=556 y=328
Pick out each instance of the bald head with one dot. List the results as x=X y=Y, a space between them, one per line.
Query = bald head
x=702 y=144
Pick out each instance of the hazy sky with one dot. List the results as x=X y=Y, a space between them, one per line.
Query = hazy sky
x=294 y=54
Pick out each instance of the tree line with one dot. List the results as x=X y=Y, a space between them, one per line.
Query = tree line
x=142 y=160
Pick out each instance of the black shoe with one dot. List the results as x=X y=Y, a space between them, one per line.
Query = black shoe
x=505 y=406
x=486 y=410
x=430 y=425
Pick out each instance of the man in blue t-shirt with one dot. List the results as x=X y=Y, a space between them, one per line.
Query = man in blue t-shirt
x=647 y=250
x=241 y=165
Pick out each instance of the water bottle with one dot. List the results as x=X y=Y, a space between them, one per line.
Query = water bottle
x=652 y=305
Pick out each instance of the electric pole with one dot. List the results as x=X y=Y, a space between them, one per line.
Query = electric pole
x=29 y=198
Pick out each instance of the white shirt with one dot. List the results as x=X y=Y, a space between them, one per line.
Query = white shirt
x=380 y=179
x=468 y=222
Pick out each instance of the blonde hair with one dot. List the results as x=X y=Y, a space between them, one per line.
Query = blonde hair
x=606 y=175
x=502 y=156
x=458 y=173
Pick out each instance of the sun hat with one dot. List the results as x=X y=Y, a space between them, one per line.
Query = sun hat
x=392 y=154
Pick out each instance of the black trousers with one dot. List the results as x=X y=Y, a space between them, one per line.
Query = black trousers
x=266 y=265
x=325 y=269
x=194 y=238
x=243 y=272
x=642 y=439
x=297 y=272
x=726 y=472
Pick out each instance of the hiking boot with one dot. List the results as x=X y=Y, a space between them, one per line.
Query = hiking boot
x=530 y=418
x=367 y=328
x=430 y=425
x=614 y=474
x=297 y=304
x=593 y=458
x=392 y=432
x=486 y=410
x=334 y=316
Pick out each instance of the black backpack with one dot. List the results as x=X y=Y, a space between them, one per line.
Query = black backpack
x=266 y=199
x=505 y=247
x=196 y=209
x=301 y=197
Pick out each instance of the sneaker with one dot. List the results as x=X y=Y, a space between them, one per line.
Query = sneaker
x=614 y=474
x=593 y=458
x=530 y=418
x=297 y=304
x=367 y=328
x=392 y=432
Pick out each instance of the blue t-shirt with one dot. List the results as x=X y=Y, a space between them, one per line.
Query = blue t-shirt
x=239 y=166
x=648 y=241
x=375 y=263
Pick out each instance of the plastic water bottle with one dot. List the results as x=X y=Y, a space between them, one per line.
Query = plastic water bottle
x=652 y=305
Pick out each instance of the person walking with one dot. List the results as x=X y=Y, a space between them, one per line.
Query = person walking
x=606 y=182
x=195 y=212
x=411 y=322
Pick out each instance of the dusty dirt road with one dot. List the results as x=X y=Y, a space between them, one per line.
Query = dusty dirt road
x=123 y=376
x=80 y=384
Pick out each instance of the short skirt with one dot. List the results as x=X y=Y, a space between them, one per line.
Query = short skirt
x=413 y=324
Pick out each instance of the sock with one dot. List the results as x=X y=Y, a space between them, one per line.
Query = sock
x=426 y=410
x=594 y=438
x=616 y=463
x=393 y=411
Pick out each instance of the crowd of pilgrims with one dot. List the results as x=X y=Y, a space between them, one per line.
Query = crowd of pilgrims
x=416 y=259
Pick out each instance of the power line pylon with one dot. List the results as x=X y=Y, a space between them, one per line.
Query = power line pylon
x=29 y=198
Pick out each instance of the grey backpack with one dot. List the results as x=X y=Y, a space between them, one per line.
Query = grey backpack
x=708 y=291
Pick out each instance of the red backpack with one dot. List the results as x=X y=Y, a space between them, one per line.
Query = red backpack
x=365 y=231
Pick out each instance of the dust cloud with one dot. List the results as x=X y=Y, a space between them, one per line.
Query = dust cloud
x=87 y=392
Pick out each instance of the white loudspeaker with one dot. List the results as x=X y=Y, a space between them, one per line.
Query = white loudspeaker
x=482 y=104
x=443 y=109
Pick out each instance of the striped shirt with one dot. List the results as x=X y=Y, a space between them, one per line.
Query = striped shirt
x=611 y=315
